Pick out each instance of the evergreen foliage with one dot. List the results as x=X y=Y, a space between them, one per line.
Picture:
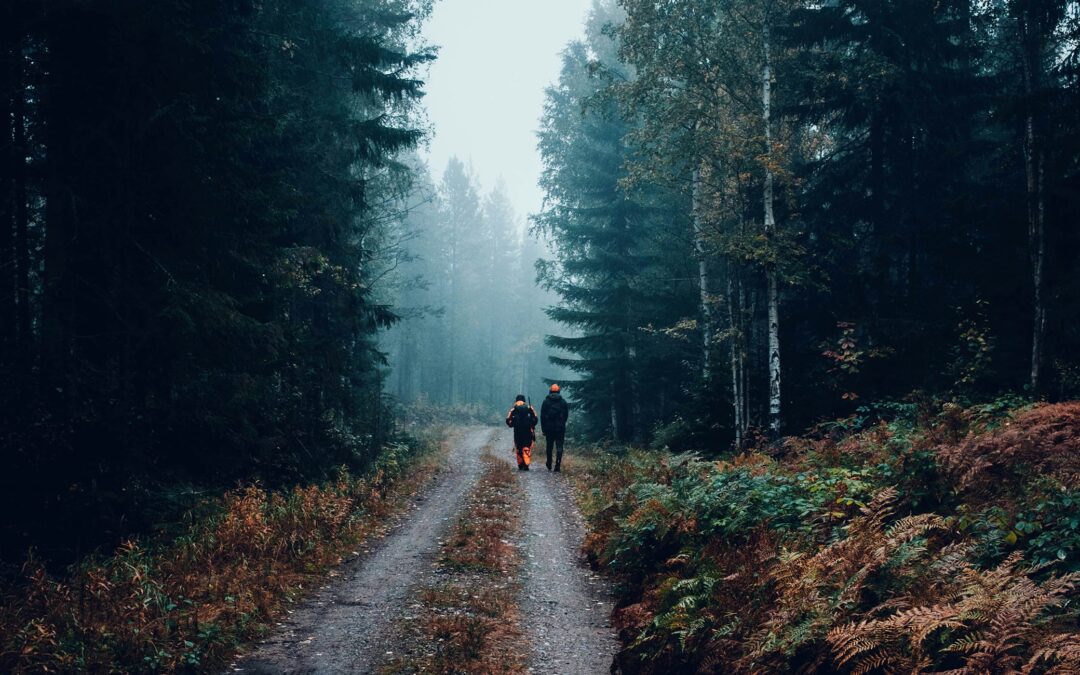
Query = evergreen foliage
x=194 y=190
x=472 y=332
x=610 y=269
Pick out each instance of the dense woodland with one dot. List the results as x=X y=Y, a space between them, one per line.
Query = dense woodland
x=472 y=326
x=769 y=213
x=195 y=204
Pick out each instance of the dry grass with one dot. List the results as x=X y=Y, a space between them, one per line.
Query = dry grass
x=468 y=619
x=187 y=604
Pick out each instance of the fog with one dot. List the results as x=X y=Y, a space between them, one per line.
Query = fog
x=485 y=93
x=474 y=327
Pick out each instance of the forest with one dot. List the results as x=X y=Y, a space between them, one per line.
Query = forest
x=824 y=238
x=771 y=213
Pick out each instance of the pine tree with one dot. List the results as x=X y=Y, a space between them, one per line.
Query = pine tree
x=604 y=269
x=198 y=184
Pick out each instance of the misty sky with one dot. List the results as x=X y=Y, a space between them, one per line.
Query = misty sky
x=486 y=91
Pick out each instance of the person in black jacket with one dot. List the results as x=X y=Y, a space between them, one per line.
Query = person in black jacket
x=522 y=419
x=553 y=415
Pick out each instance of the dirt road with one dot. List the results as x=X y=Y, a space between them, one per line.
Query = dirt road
x=340 y=628
x=346 y=626
x=565 y=607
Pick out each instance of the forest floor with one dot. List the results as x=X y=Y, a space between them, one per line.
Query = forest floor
x=366 y=617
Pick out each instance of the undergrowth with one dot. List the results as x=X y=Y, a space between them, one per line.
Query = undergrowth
x=187 y=603
x=468 y=618
x=923 y=541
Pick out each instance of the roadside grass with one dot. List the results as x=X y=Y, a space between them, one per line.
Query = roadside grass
x=187 y=604
x=466 y=620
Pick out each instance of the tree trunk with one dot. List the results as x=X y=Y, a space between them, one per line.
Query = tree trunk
x=770 y=230
x=616 y=429
x=875 y=259
x=403 y=368
x=636 y=431
x=8 y=161
x=756 y=350
x=744 y=352
x=1034 y=170
x=57 y=307
x=738 y=392
x=703 y=280
x=451 y=320
x=493 y=282
x=19 y=153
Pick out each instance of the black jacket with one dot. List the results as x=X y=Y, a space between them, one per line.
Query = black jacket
x=525 y=434
x=553 y=414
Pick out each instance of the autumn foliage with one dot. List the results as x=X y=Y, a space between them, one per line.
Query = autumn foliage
x=187 y=603
x=934 y=541
x=1044 y=440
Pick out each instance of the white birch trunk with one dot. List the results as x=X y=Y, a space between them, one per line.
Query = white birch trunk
x=703 y=280
x=736 y=358
x=770 y=229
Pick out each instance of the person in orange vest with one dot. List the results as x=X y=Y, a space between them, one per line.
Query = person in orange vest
x=522 y=419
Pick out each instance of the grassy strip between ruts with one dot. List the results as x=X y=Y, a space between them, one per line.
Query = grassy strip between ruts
x=466 y=618
x=187 y=604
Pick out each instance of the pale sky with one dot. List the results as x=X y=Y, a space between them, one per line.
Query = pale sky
x=485 y=93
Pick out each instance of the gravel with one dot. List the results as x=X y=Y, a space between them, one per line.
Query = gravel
x=344 y=626
x=565 y=607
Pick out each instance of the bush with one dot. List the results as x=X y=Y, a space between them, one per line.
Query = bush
x=921 y=541
x=186 y=603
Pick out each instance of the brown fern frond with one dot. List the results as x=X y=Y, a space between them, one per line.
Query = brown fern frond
x=911 y=527
x=851 y=640
x=1045 y=439
x=920 y=622
x=1063 y=656
x=877 y=510
x=967 y=644
x=872 y=663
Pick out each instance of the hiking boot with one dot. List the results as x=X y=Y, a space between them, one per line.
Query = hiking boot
x=558 y=468
x=549 y=465
x=526 y=467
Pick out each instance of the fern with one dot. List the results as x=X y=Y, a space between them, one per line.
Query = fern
x=990 y=619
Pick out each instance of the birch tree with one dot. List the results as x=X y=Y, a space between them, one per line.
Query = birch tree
x=770 y=223
x=705 y=77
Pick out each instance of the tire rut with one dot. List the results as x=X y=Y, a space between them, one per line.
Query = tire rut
x=343 y=628
x=566 y=607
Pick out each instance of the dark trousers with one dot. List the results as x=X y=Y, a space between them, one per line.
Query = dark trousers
x=555 y=440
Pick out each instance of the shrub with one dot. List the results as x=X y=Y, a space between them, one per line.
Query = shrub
x=925 y=542
x=186 y=603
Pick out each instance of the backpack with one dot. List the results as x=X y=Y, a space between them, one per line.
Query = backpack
x=521 y=417
x=556 y=412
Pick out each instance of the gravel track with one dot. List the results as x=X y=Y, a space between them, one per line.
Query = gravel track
x=343 y=628
x=565 y=608
x=348 y=625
